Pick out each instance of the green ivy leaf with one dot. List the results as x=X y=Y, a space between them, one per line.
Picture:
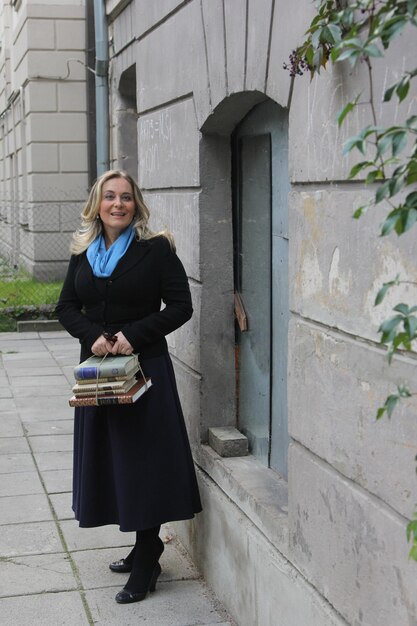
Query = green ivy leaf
x=410 y=220
x=411 y=122
x=383 y=143
x=410 y=326
x=403 y=88
x=336 y=33
x=347 y=109
x=401 y=308
x=388 y=93
x=382 y=192
x=372 y=50
x=373 y=176
x=399 y=141
x=389 y=223
x=383 y=291
x=359 y=167
x=411 y=200
x=361 y=211
x=388 y=326
x=391 y=403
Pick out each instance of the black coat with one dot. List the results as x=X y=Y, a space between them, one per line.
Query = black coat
x=129 y=300
x=132 y=463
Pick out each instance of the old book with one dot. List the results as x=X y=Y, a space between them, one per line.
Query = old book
x=120 y=386
x=102 y=379
x=129 y=397
x=114 y=365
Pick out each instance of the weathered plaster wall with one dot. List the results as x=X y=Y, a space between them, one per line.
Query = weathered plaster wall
x=339 y=555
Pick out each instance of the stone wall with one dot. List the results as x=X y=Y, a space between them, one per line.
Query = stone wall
x=329 y=546
x=43 y=136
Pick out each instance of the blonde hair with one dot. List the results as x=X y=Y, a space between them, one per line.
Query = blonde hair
x=91 y=227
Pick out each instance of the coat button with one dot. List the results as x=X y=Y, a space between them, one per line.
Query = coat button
x=110 y=282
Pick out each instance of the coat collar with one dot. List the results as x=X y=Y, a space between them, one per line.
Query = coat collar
x=134 y=254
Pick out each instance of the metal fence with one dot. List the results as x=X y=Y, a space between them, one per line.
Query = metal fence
x=34 y=253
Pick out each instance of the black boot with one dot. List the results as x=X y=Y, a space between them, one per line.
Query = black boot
x=145 y=569
x=124 y=565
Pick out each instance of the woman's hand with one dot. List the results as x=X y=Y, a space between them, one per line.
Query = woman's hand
x=101 y=346
x=121 y=346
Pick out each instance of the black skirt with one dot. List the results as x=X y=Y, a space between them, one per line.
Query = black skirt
x=132 y=463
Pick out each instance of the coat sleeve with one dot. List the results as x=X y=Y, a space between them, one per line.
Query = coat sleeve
x=69 y=309
x=174 y=292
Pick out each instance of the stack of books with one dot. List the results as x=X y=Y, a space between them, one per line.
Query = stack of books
x=112 y=380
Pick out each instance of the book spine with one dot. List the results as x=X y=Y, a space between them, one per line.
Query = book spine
x=102 y=379
x=100 y=401
x=82 y=373
x=85 y=372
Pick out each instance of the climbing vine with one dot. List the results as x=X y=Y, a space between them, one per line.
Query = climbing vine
x=359 y=32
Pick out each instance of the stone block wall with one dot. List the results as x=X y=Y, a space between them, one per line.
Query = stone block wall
x=43 y=136
x=328 y=546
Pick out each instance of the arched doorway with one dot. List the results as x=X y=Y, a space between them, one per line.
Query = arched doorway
x=260 y=226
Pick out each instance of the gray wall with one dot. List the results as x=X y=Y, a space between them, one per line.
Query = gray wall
x=328 y=547
x=43 y=136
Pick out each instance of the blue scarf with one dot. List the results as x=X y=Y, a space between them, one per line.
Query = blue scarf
x=102 y=261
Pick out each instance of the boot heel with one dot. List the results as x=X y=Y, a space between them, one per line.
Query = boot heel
x=154 y=578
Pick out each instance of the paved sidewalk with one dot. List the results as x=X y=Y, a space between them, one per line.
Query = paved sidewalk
x=51 y=571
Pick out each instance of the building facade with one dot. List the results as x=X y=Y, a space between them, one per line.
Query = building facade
x=43 y=135
x=246 y=169
x=244 y=166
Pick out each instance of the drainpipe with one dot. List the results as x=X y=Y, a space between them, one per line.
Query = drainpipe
x=102 y=90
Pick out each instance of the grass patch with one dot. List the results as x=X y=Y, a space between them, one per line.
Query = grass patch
x=18 y=293
x=24 y=298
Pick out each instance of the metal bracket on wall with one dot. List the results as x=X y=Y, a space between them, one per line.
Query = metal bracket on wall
x=240 y=313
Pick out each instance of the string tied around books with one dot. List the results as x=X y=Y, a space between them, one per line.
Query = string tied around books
x=109 y=379
x=98 y=376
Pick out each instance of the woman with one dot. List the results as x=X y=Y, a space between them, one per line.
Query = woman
x=132 y=463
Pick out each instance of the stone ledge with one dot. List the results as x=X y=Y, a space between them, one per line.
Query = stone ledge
x=258 y=491
x=38 y=325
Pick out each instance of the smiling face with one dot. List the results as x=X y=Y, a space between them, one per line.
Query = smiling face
x=117 y=207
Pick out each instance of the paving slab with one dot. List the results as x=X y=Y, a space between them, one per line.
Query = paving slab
x=43 y=414
x=60 y=609
x=45 y=405
x=28 y=508
x=27 y=372
x=13 y=336
x=54 y=461
x=33 y=391
x=183 y=603
x=18 y=340
x=51 y=443
x=69 y=360
x=37 y=583
x=20 y=483
x=19 y=384
x=86 y=538
x=10 y=425
x=31 y=538
x=57 y=481
x=10 y=463
x=32 y=356
x=21 y=575
x=7 y=404
x=11 y=445
x=49 y=427
x=93 y=566
x=62 y=505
